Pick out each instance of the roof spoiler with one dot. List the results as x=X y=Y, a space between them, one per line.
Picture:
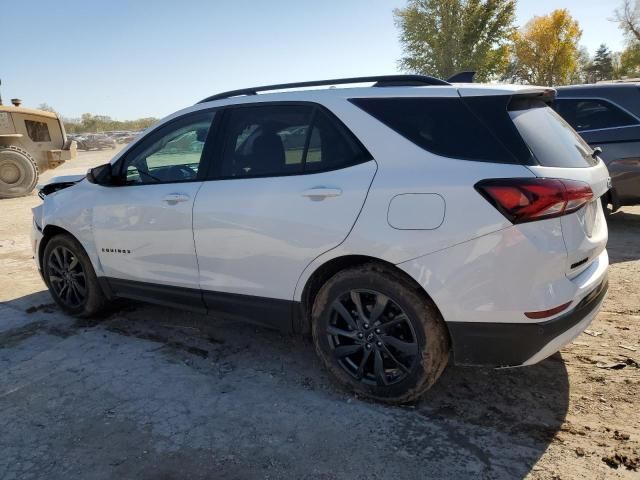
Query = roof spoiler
x=523 y=100
x=462 y=77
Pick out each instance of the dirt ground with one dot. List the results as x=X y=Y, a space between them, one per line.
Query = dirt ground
x=150 y=392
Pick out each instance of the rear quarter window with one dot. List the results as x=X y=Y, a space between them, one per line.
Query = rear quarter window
x=443 y=126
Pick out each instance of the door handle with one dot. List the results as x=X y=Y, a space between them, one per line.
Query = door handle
x=175 y=198
x=320 y=193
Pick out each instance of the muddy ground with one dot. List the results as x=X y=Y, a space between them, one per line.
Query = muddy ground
x=149 y=392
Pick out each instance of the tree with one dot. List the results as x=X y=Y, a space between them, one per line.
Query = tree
x=601 y=68
x=628 y=17
x=47 y=108
x=583 y=62
x=546 y=50
x=629 y=62
x=103 y=123
x=444 y=37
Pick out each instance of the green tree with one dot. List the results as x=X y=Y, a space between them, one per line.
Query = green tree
x=102 y=123
x=47 y=108
x=444 y=37
x=629 y=62
x=601 y=68
x=546 y=50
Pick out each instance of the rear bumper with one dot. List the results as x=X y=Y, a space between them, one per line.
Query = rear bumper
x=516 y=344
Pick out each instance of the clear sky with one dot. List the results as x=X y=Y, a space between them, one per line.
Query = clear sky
x=130 y=59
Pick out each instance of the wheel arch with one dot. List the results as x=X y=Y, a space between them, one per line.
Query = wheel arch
x=48 y=233
x=331 y=267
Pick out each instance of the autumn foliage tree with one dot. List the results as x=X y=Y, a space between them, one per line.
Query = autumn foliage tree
x=545 y=50
x=444 y=37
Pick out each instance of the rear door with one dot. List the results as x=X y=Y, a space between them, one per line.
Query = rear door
x=561 y=153
x=289 y=183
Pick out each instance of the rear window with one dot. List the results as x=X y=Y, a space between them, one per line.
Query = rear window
x=551 y=140
x=444 y=126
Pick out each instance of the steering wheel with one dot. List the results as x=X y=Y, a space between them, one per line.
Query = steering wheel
x=180 y=172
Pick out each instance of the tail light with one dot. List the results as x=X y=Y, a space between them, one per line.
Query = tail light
x=527 y=199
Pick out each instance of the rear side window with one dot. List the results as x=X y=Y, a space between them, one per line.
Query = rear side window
x=329 y=148
x=37 y=131
x=444 y=126
x=593 y=114
x=276 y=140
x=552 y=140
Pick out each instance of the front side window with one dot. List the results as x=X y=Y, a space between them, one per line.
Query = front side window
x=276 y=140
x=37 y=131
x=172 y=154
x=592 y=114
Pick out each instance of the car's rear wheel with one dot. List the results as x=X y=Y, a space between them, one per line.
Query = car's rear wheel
x=18 y=172
x=379 y=335
x=70 y=277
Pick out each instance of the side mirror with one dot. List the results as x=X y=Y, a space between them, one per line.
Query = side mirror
x=101 y=175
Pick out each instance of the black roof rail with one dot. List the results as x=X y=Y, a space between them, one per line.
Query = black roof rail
x=380 y=81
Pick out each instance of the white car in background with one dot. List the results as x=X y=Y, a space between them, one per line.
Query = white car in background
x=396 y=223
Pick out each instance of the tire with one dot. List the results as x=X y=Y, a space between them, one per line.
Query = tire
x=18 y=172
x=418 y=341
x=64 y=261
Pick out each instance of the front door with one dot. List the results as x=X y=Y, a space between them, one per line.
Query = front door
x=288 y=186
x=143 y=227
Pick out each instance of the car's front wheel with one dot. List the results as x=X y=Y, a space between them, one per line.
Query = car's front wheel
x=70 y=277
x=379 y=335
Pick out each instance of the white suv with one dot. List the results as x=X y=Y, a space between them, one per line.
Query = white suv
x=397 y=223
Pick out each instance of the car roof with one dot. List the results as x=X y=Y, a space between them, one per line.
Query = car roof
x=625 y=95
x=313 y=94
x=600 y=87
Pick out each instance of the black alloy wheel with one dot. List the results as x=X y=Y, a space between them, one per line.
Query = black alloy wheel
x=372 y=338
x=379 y=334
x=67 y=277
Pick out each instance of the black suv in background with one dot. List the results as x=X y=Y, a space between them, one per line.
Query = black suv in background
x=607 y=115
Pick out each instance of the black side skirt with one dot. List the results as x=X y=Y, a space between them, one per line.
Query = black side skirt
x=512 y=344
x=268 y=312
